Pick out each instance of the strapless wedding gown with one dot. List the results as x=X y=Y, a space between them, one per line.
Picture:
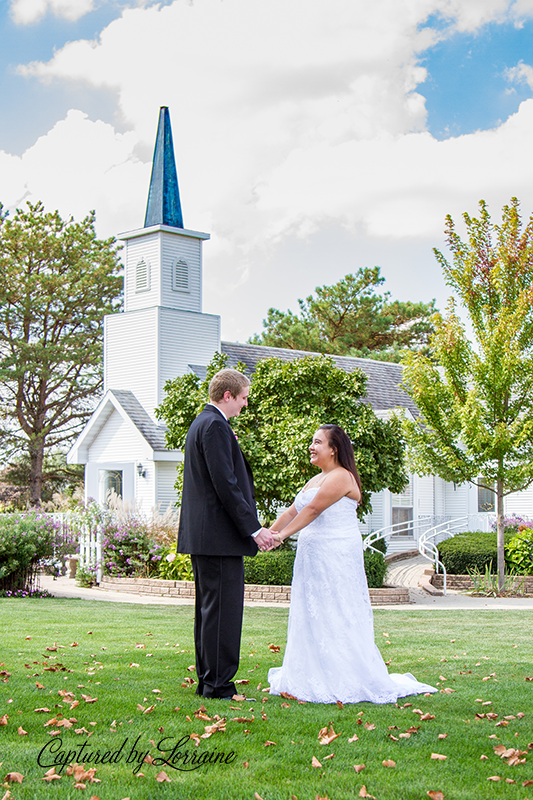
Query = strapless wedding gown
x=331 y=654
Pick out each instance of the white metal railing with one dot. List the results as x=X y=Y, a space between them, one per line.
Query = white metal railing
x=429 y=539
x=411 y=528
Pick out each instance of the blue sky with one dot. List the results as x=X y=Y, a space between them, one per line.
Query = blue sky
x=310 y=140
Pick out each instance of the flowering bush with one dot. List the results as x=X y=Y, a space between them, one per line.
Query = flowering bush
x=512 y=523
x=25 y=539
x=128 y=549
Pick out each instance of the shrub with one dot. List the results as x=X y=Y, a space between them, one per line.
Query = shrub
x=519 y=552
x=128 y=549
x=469 y=551
x=375 y=568
x=25 y=539
x=512 y=523
x=175 y=566
x=273 y=567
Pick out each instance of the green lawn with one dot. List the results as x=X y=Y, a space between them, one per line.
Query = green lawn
x=133 y=657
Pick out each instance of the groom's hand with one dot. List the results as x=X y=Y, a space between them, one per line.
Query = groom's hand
x=265 y=540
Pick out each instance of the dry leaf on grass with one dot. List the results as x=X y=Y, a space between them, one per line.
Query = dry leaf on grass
x=162 y=776
x=359 y=767
x=438 y=757
x=389 y=763
x=315 y=762
x=51 y=775
x=354 y=738
x=257 y=796
x=14 y=777
x=268 y=743
x=4 y=719
x=369 y=726
x=326 y=736
x=494 y=778
x=436 y=795
x=21 y=731
x=363 y=793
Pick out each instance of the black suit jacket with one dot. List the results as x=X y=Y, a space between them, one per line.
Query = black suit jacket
x=218 y=514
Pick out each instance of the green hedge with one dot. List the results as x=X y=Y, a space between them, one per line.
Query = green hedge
x=25 y=539
x=470 y=550
x=274 y=568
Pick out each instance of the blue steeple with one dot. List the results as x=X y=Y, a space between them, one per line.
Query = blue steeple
x=164 y=207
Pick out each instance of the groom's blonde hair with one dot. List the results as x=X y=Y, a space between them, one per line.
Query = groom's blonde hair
x=227 y=380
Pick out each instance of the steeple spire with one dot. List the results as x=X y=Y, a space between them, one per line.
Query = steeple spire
x=164 y=207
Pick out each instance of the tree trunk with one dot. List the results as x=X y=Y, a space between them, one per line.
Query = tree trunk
x=500 y=539
x=36 y=450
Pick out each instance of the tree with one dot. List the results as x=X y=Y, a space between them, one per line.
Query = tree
x=57 y=280
x=476 y=398
x=288 y=401
x=349 y=318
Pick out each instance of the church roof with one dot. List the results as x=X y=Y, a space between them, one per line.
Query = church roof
x=164 y=206
x=383 y=391
x=154 y=434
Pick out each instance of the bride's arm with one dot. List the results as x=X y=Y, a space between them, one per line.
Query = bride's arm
x=284 y=519
x=334 y=487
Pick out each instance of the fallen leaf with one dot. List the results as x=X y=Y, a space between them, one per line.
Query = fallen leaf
x=363 y=793
x=339 y=704
x=21 y=731
x=326 y=736
x=442 y=736
x=427 y=716
x=527 y=783
x=389 y=763
x=359 y=767
x=369 y=726
x=435 y=795
x=494 y=778
x=274 y=647
x=238 y=698
x=245 y=681
x=267 y=743
x=39 y=685
x=14 y=777
x=438 y=757
x=4 y=719
x=315 y=762
x=484 y=758
x=354 y=738
x=51 y=775
x=257 y=796
x=327 y=758
x=162 y=776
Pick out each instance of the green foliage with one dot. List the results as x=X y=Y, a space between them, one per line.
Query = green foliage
x=288 y=401
x=175 y=566
x=86 y=575
x=128 y=549
x=271 y=568
x=349 y=318
x=468 y=551
x=57 y=280
x=375 y=569
x=476 y=398
x=58 y=477
x=25 y=539
x=486 y=583
x=519 y=552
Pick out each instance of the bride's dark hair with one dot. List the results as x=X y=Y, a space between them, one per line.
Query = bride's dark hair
x=340 y=442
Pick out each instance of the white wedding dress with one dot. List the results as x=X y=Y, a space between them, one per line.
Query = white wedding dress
x=331 y=654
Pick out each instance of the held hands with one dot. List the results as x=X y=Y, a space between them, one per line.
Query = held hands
x=276 y=535
x=265 y=540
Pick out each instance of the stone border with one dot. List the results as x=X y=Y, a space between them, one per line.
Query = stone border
x=388 y=595
x=464 y=583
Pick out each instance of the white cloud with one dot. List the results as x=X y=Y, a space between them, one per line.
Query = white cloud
x=288 y=119
x=521 y=73
x=28 y=11
x=79 y=166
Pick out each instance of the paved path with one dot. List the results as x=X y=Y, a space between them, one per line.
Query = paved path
x=405 y=573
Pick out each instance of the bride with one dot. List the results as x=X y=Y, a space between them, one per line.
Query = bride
x=331 y=655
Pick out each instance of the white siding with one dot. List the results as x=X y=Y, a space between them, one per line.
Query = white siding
x=456 y=500
x=440 y=492
x=130 y=354
x=520 y=503
x=185 y=338
x=165 y=479
x=145 y=487
x=118 y=440
x=374 y=521
x=188 y=249
x=147 y=248
x=424 y=493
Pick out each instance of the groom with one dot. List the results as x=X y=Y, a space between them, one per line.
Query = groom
x=218 y=526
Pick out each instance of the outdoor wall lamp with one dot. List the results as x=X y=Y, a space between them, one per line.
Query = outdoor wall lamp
x=141 y=472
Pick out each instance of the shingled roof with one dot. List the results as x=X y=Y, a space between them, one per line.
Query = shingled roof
x=383 y=390
x=154 y=434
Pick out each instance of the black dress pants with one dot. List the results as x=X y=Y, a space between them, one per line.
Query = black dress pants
x=219 y=584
